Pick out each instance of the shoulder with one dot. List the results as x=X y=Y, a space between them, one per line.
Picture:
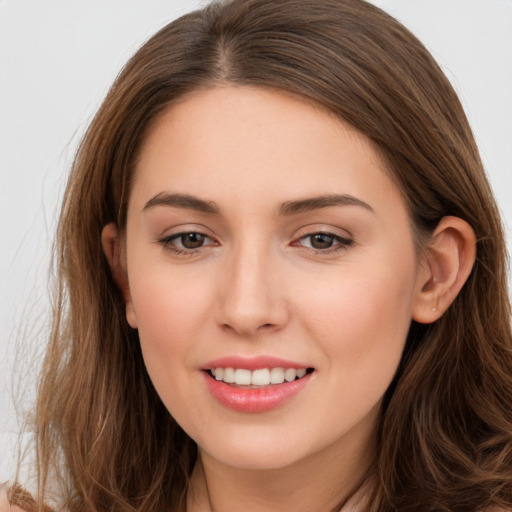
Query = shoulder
x=16 y=499
x=5 y=505
x=4 y=501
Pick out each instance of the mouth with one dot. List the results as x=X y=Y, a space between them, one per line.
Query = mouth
x=258 y=378
x=257 y=384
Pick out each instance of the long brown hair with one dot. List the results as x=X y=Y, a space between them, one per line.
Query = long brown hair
x=444 y=438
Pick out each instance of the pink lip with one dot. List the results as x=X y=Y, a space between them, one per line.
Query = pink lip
x=256 y=399
x=252 y=363
x=245 y=399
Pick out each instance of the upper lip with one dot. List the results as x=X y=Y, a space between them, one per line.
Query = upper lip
x=253 y=363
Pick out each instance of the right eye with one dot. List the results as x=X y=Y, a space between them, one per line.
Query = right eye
x=186 y=242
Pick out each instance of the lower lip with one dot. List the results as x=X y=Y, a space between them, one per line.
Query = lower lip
x=254 y=399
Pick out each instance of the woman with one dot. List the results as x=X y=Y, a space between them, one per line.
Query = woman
x=282 y=279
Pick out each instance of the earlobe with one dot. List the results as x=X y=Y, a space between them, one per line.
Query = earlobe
x=448 y=260
x=110 y=241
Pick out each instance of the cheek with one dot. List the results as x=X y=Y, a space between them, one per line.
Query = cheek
x=171 y=316
x=171 y=310
x=361 y=320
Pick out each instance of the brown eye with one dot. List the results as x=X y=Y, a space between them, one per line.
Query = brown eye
x=186 y=242
x=192 y=240
x=324 y=242
x=321 y=241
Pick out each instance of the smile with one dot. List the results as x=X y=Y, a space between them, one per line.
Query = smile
x=260 y=377
x=256 y=385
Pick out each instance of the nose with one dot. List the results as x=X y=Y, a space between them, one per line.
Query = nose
x=252 y=297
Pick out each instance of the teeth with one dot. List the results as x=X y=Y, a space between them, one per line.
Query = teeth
x=276 y=376
x=260 y=377
x=229 y=375
x=290 y=374
x=242 y=377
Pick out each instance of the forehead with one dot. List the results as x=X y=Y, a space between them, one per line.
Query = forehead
x=250 y=142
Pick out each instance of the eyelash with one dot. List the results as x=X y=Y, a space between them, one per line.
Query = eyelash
x=338 y=243
x=170 y=241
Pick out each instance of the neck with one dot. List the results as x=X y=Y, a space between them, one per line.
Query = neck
x=323 y=482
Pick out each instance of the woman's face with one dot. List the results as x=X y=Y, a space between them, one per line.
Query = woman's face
x=264 y=236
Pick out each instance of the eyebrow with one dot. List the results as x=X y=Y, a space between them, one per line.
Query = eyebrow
x=288 y=208
x=183 y=201
x=318 y=202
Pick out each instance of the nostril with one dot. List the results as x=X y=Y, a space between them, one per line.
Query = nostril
x=247 y=329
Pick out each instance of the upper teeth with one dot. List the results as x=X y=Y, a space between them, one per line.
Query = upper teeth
x=260 y=377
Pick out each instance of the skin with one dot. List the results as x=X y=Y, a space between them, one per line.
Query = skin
x=258 y=287
x=5 y=506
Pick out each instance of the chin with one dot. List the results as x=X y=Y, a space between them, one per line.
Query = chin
x=259 y=450
x=257 y=460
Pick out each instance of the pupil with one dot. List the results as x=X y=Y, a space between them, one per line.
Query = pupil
x=192 y=240
x=321 y=241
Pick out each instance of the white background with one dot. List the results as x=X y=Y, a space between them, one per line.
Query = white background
x=57 y=60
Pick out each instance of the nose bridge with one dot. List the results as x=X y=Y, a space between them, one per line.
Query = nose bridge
x=250 y=298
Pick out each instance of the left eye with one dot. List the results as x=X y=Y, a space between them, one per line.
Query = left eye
x=323 y=241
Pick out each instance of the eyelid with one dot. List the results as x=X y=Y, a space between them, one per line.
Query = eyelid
x=180 y=228
x=168 y=241
x=342 y=238
x=312 y=229
x=177 y=236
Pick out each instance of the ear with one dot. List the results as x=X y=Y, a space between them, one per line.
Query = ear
x=448 y=260
x=111 y=244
